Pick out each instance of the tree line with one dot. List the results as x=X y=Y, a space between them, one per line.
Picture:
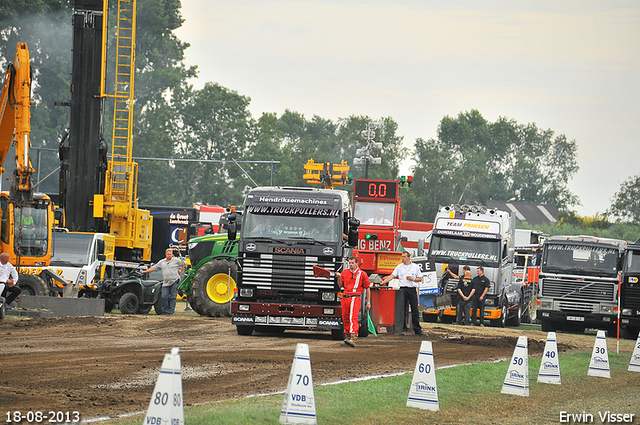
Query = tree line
x=470 y=160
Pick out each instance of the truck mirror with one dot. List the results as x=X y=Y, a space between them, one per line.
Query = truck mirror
x=102 y=257
x=232 y=230
x=352 y=237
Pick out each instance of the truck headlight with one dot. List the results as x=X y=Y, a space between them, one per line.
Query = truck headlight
x=606 y=309
x=82 y=278
x=243 y=307
x=246 y=292
x=626 y=311
x=545 y=305
x=328 y=311
x=328 y=296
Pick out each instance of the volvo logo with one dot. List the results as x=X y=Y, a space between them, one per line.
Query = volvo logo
x=250 y=247
x=327 y=250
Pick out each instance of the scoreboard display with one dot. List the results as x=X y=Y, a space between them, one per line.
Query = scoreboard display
x=376 y=189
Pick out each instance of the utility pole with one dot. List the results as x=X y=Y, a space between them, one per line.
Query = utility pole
x=364 y=156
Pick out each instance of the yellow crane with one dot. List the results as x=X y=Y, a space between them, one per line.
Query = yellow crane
x=131 y=225
x=326 y=174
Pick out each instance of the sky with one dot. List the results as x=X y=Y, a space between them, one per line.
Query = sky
x=569 y=66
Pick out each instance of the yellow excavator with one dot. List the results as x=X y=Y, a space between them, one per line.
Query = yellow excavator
x=26 y=216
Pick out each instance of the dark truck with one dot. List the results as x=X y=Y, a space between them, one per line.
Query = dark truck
x=579 y=283
x=630 y=292
x=285 y=232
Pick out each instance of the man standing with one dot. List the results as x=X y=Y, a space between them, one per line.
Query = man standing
x=465 y=291
x=354 y=281
x=171 y=268
x=8 y=279
x=409 y=275
x=481 y=286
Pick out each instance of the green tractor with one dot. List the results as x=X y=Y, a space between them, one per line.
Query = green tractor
x=210 y=282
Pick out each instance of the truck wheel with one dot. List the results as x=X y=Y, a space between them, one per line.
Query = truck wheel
x=518 y=318
x=429 y=318
x=548 y=326
x=3 y=309
x=32 y=285
x=213 y=288
x=128 y=303
x=502 y=321
x=337 y=334
x=244 y=330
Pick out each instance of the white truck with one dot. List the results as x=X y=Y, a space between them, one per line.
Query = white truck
x=475 y=236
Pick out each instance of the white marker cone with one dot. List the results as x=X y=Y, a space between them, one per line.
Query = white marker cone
x=599 y=365
x=517 y=380
x=634 y=364
x=299 y=406
x=166 y=406
x=549 y=372
x=424 y=391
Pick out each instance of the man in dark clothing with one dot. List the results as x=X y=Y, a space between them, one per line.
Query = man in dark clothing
x=465 y=291
x=481 y=285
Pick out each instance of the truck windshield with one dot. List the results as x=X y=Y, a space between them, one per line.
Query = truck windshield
x=470 y=251
x=323 y=229
x=31 y=231
x=580 y=259
x=632 y=264
x=71 y=249
x=375 y=213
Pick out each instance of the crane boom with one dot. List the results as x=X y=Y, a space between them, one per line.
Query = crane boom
x=15 y=123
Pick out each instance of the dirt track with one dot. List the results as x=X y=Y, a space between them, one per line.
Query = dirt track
x=108 y=365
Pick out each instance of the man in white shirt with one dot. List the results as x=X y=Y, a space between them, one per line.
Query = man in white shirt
x=410 y=276
x=171 y=268
x=8 y=280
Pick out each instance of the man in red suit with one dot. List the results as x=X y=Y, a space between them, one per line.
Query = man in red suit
x=354 y=281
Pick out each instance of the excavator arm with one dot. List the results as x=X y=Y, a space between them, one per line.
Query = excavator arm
x=15 y=123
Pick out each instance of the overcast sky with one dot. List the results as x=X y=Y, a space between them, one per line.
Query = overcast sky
x=569 y=66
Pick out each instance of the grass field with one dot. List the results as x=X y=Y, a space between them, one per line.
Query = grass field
x=467 y=394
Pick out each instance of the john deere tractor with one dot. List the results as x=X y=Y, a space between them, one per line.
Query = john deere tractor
x=210 y=282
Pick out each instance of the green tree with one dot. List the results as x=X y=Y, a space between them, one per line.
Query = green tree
x=626 y=202
x=472 y=161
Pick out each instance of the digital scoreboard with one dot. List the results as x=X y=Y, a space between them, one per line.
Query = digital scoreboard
x=377 y=189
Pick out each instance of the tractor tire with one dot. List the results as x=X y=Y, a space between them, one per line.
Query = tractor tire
x=144 y=309
x=157 y=306
x=32 y=285
x=195 y=305
x=128 y=303
x=213 y=288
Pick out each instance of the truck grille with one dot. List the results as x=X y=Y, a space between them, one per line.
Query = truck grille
x=574 y=306
x=578 y=290
x=286 y=273
x=631 y=298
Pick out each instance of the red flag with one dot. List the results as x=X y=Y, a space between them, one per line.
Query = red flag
x=321 y=272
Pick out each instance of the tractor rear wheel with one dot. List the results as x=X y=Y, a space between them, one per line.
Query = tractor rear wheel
x=213 y=288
